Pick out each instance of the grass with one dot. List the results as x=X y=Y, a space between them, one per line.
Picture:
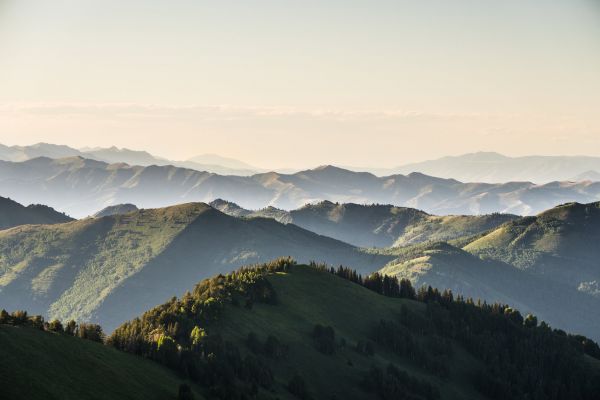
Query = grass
x=43 y=365
x=308 y=297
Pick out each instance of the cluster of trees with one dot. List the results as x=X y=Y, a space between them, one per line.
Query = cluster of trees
x=178 y=333
x=271 y=348
x=83 y=330
x=523 y=358
x=324 y=339
x=386 y=285
x=395 y=384
x=419 y=346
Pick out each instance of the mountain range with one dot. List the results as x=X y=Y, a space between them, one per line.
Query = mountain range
x=81 y=187
x=494 y=167
x=546 y=265
x=206 y=162
x=111 y=268
x=373 y=225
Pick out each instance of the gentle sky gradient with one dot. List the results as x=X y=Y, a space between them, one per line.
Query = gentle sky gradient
x=302 y=83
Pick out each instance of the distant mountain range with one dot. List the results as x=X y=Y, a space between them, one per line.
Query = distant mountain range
x=114 y=155
x=547 y=265
x=493 y=167
x=373 y=225
x=109 y=269
x=81 y=187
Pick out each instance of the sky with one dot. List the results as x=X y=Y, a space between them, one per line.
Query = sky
x=295 y=84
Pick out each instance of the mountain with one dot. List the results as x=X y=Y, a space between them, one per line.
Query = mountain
x=39 y=365
x=109 y=269
x=494 y=167
x=114 y=155
x=447 y=267
x=545 y=264
x=81 y=186
x=593 y=176
x=283 y=330
x=372 y=225
x=115 y=210
x=559 y=243
x=14 y=214
x=24 y=153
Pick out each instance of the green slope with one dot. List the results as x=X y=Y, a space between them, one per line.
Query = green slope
x=43 y=365
x=374 y=225
x=446 y=267
x=561 y=244
x=254 y=331
x=14 y=214
x=109 y=269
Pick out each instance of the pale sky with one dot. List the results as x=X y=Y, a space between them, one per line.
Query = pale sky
x=286 y=83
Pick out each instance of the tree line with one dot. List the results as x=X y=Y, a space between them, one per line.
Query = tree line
x=82 y=330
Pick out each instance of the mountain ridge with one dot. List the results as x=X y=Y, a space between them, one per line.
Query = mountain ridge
x=81 y=187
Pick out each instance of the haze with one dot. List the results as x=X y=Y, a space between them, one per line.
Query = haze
x=302 y=83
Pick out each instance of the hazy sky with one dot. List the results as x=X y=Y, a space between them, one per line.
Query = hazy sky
x=301 y=83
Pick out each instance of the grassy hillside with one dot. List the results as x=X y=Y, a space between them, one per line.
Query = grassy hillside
x=374 y=225
x=109 y=269
x=560 y=244
x=290 y=331
x=14 y=214
x=39 y=365
x=447 y=267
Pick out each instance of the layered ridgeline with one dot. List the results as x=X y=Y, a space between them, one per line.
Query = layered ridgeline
x=205 y=162
x=14 y=214
x=547 y=265
x=81 y=186
x=109 y=269
x=304 y=332
x=39 y=365
x=494 y=167
x=374 y=225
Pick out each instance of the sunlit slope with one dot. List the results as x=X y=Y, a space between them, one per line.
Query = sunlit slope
x=108 y=269
x=375 y=225
x=446 y=267
x=40 y=365
x=561 y=244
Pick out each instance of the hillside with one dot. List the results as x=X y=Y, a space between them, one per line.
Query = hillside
x=374 y=225
x=81 y=186
x=109 y=269
x=14 y=214
x=39 y=365
x=446 y=267
x=265 y=329
x=560 y=243
x=545 y=264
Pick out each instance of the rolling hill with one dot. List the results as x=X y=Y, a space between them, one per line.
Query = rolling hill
x=373 y=225
x=39 y=365
x=14 y=214
x=82 y=186
x=447 y=267
x=545 y=264
x=297 y=332
x=109 y=269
